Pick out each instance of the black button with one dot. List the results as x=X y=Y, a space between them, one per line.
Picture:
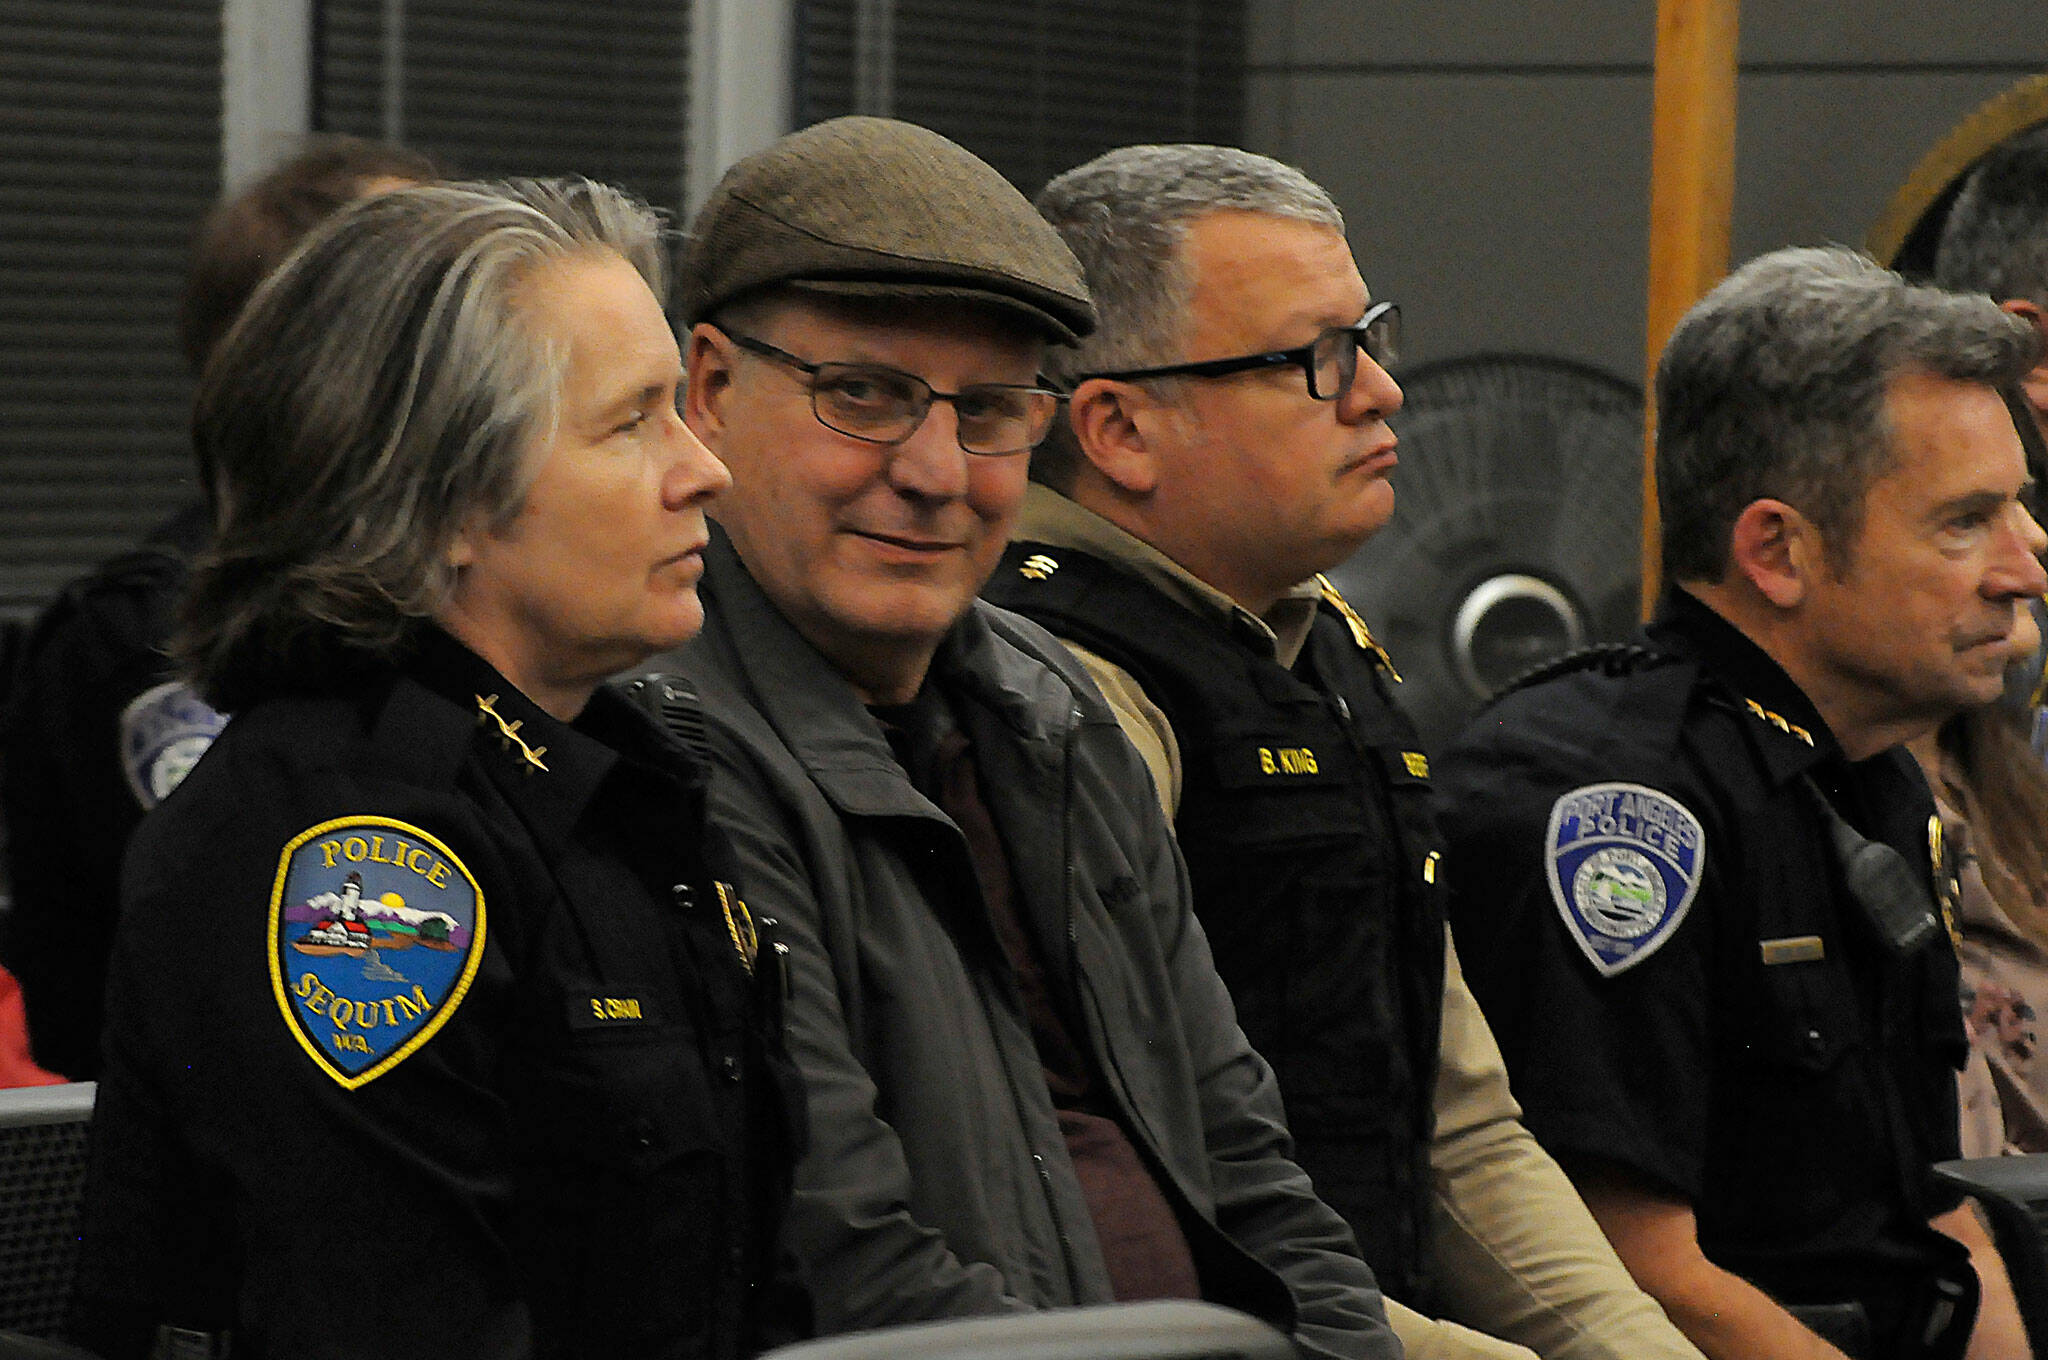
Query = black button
x=685 y=896
x=1816 y=1043
x=729 y=1068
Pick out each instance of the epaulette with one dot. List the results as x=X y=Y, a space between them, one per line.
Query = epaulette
x=1360 y=634
x=1611 y=659
x=672 y=701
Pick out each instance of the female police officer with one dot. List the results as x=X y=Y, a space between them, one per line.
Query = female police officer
x=434 y=1024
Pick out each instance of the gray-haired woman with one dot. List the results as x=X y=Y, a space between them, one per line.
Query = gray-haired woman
x=434 y=1026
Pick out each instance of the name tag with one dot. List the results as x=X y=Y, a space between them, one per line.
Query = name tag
x=1792 y=949
x=608 y=1012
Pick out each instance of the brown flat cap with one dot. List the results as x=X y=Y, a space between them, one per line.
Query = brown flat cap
x=871 y=207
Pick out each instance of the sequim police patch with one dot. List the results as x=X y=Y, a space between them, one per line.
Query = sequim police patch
x=376 y=932
x=1624 y=863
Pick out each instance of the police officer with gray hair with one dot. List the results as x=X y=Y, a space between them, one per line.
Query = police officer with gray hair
x=1697 y=882
x=1228 y=440
x=438 y=1024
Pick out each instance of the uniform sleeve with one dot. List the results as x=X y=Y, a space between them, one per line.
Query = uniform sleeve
x=869 y=1262
x=1428 y=1338
x=1607 y=1067
x=1264 y=1201
x=1144 y=723
x=1518 y=1254
x=235 y=1178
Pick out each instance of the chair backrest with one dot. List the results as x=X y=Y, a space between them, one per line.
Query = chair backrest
x=1126 y=1331
x=2014 y=1193
x=42 y=1185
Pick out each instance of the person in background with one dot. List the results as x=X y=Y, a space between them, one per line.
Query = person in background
x=1226 y=441
x=1027 y=1086
x=1693 y=880
x=95 y=729
x=1988 y=780
x=438 y=1024
x=1992 y=794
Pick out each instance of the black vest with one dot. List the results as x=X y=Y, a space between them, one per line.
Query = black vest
x=1305 y=821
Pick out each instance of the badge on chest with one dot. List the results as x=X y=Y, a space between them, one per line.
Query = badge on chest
x=376 y=931
x=1623 y=863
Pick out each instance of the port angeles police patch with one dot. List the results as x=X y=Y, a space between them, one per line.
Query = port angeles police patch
x=376 y=931
x=164 y=731
x=1624 y=863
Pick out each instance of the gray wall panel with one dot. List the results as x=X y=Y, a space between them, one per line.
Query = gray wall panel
x=1493 y=155
x=1895 y=32
x=1818 y=156
x=1502 y=211
x=1322 y=33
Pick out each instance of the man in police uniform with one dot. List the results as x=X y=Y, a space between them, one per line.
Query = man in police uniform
x=1693 y=880
x=1174 y=539
x=1026 y=1086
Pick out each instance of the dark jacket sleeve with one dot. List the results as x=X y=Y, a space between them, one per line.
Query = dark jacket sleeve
x=868 y=1259
x=357 y=1222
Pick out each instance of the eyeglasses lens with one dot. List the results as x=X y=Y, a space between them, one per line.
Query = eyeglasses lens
x=869 y=403
x=1336 y=352
x=886 y=406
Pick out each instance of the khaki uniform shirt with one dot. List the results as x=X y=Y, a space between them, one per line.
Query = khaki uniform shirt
x=1516 y=1253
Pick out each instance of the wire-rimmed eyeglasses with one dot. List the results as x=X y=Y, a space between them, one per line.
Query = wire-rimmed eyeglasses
x=884 y=405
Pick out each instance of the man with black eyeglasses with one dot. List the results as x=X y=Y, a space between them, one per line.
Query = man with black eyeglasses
x=1227 y=441
x=1026 y=1088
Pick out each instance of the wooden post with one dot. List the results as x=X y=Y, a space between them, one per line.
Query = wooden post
x=1692 y=191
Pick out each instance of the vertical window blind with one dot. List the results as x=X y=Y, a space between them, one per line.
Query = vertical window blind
x=1034 y=87
x=515 y=87
x=109 y=155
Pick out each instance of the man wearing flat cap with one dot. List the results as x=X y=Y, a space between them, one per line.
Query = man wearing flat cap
x=1027 y=1086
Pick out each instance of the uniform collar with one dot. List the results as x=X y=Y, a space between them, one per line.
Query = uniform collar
x=551 y=770
x=1055 y=520
x=1788 y=732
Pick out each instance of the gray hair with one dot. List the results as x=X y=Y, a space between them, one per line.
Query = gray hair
x=1995 y=238
x=381 y=392
x=1125 y=215
x=1774 y=385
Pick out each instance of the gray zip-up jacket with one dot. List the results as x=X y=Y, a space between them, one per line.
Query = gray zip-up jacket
x=937 y=1183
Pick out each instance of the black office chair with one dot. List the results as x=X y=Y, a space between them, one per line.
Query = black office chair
x=2014 y=1193
x=42 y=1183
x=1128 y=1331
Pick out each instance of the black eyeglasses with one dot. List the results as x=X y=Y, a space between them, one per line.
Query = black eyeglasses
x=885 y=405
x=1330 y=361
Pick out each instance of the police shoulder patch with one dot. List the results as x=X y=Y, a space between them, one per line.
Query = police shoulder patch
x=164 y=731
x=1623 y=863
x=376 y=931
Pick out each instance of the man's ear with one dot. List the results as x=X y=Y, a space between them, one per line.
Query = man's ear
x=2035 y=383
x=1119 y=427
x=708 y=361
x=1777 y=550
